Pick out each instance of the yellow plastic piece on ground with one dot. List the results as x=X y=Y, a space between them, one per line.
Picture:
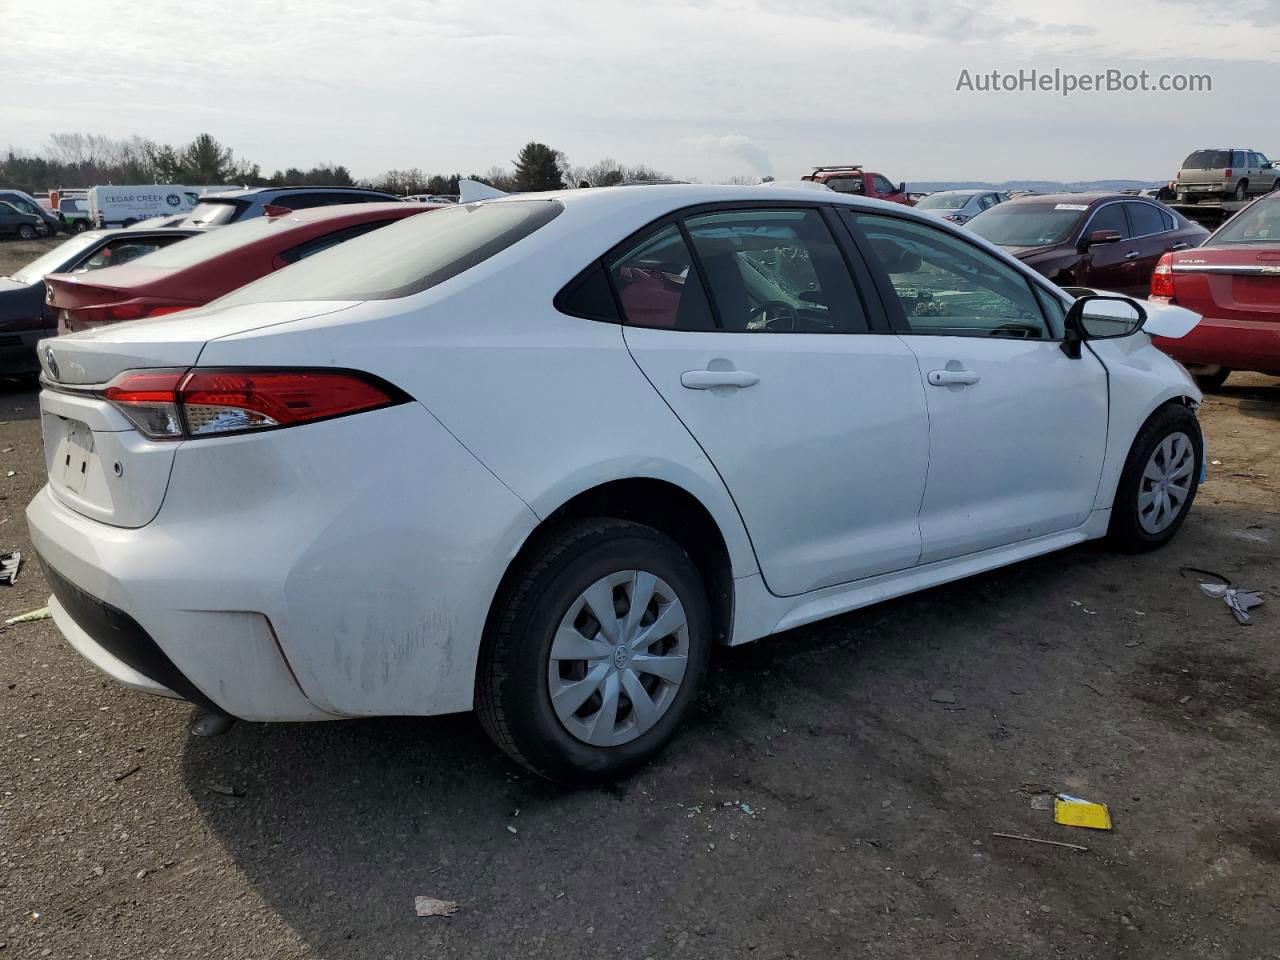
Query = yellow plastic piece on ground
x=1074 y=812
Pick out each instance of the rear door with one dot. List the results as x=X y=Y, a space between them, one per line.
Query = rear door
x=1017 y=429
x=755 y=329
x=1153 y=237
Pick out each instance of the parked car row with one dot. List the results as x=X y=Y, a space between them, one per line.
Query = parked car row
x=555 y=446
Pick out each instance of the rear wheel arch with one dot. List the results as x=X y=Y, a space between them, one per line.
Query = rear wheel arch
x=659 y=504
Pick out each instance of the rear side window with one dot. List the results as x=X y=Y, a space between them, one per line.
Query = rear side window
x=590 y=297
x=846 y=184
x=1146 y=219
x=407 y=257
x=658 y=284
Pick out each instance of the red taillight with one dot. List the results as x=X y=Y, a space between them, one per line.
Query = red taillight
x=170 y=405
x=1227 y=175
x=1162 y=277
x=81 y=317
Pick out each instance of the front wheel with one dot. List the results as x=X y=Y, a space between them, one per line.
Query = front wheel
x=595 y=652
x=1159 y=481
x=26 y=231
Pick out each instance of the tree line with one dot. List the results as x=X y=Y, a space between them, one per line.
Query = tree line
x=87 y=160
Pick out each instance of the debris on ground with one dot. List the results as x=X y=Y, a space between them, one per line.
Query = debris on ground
x=41 y=614
x=9 y=563
x=1051 y=843
x=1074 y=812
x=431 y=907
x=943 y=696
x=225 y=790
x=1238 y=600
x=126 y=774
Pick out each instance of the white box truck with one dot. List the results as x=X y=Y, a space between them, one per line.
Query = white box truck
x=125 y=206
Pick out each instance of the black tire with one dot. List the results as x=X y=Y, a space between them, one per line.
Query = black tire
x=26 y=231
x=129 y=223
x=1241 y=191
x=80 y=226
x=513 y=697
x=1126 y=531
x=1209 y=382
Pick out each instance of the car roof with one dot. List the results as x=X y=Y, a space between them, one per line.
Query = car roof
x=1091 y=197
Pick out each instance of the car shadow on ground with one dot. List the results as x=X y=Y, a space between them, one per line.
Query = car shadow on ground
x=1258 y=400
x=847 y=734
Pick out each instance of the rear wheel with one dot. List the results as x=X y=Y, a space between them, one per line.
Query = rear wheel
x=1242 y=190
x=595 y=652
x=1159 y=481
x=26 y=231
x=1208 y=382
x=80 y=226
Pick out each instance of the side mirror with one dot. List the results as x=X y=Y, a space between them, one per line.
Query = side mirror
x=902 y=187
x=1102 y=236
x=1101 y=317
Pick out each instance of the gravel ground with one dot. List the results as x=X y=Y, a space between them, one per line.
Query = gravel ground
x=835 y=794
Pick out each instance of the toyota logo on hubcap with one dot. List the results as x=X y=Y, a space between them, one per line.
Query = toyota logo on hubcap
x=620 y=657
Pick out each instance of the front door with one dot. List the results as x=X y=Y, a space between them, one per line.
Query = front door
x=1017 y=429
x=750 y=325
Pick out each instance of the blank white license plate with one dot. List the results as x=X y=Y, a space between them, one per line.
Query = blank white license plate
x=78 y=452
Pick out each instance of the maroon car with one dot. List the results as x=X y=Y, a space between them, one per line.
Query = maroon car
x=212 y=264
x=1233 y=281
x=1108 y=241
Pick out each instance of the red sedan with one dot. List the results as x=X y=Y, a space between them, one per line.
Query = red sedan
x=196 y=271
x=1233 y=281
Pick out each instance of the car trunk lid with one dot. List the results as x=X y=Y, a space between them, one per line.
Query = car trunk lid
x=98 y=464
x=1232 y=283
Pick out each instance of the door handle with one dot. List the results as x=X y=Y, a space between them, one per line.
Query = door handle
x=947 y=378
x=1132 y=255
x=1180 y=246
x=706 y=379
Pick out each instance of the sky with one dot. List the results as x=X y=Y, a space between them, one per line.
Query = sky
x=704 y=89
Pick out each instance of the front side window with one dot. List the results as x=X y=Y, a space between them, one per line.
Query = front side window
x=948 y=287
x=658 y=284
x=776 y=271
x=883 y=185
x=1146 y=219
x=407 y=257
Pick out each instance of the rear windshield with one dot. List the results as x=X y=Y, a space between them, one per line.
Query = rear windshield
x=1259 y=223
x=217 y=242
x=56 y=259
x=944 y=201
x=211 y=213
x=1208 y=160
x=406 y=257
x=1028 y=224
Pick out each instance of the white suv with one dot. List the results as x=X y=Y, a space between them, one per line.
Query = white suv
x=535 y=455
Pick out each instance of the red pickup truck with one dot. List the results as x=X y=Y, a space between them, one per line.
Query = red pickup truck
x=853 y=179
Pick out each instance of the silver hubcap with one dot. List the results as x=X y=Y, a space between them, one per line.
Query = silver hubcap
x=1166 y=482
x=618 y=658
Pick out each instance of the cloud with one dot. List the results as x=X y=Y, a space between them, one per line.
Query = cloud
x=736 y=145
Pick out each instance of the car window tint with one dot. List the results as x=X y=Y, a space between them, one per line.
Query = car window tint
x=1237 y=159
x=883 y=185
x=1146 y=219
x=124 y=249
x=590 y=297
x=949 y=287
x=658 y=284
x=1167 y=219
x=1110 y=216
x=771 y=271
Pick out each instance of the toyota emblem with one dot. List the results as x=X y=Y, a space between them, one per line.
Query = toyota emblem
x=51 y=362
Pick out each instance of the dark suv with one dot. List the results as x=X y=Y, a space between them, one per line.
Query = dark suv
x=24 y=203
x=218 y=209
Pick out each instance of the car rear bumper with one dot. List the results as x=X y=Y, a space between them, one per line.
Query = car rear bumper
x=342 y=568
x=1234 y=344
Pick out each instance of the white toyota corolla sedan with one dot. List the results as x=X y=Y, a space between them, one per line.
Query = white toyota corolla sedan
x=536 y=455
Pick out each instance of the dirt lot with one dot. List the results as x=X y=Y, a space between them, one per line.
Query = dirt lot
x=835 y=795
